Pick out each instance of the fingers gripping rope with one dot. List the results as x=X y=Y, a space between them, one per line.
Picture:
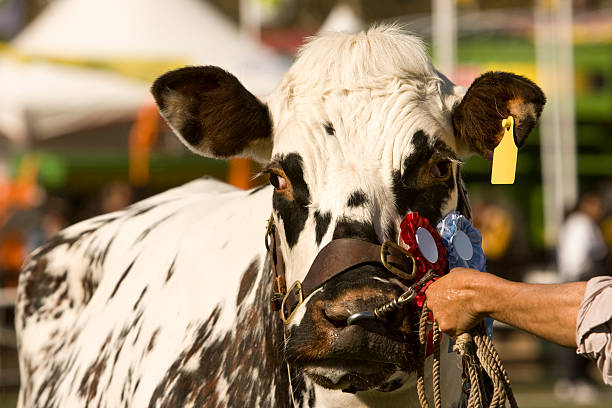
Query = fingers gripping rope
x=478 y=354
x=476 y=350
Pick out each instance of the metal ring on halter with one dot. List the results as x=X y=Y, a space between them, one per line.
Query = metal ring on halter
x=407 y=296
x=287 y=319
x=393 y=269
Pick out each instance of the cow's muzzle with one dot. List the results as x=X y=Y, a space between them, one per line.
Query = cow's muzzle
x=342 y=356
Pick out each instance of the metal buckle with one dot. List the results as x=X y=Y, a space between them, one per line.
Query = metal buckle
x=287 y=319
x=394 y=269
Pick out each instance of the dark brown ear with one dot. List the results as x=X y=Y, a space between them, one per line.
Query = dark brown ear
x=213 y=114
x=492 y=97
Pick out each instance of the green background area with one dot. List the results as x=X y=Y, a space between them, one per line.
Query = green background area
x=87 y=172
x=593 y=88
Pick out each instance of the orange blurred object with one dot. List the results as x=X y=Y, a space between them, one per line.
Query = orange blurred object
x=22 y=192
x=240 y=173
x=12 y=255
x=142 y=138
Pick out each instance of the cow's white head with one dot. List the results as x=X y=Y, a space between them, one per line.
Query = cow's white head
x=362 y=130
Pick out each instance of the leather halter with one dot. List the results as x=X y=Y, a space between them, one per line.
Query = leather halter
x=337 y=257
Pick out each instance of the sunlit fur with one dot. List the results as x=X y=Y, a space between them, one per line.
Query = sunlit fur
x=377 y=88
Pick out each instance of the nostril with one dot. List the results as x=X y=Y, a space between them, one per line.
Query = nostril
x=336 y=315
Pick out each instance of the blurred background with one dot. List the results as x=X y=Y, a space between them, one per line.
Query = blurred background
x=80 y=134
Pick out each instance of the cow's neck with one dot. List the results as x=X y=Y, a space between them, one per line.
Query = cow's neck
x=259 y=373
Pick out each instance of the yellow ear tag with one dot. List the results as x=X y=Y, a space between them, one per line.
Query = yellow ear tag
x=504 y=156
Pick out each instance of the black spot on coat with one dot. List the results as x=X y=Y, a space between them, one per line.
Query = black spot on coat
x=152 y=227
x=40 y=286
x=140 y=297
x=125 y=273
x=171 y=269
x=357 y=198
x=347 y=228
x=321 y=224
x=293 y=212
x=427 y=200
x=247 y=281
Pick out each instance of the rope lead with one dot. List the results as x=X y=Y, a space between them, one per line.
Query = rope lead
x=478 y=354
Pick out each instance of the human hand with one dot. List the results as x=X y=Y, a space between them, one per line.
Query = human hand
x=460 y=299
x=456 y=301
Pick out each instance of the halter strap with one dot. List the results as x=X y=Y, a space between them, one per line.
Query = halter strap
x=337 y=257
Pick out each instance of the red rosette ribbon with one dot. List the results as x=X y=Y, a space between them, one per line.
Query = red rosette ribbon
x=408 y=240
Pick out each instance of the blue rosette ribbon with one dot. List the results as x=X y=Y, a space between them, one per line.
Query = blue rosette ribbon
x=457 y=256
x=463 y=244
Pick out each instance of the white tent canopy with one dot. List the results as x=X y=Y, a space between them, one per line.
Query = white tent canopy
x=44 y=100
x=186 y=30
x=342 y=18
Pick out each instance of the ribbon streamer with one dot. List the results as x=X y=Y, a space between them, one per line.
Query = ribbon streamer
x=448 y=228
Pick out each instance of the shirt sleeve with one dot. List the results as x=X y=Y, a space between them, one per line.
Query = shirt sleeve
x=594 y=325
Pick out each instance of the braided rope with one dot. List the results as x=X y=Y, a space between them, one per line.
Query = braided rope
x=491 y=358
x=422 y=352
x=474 y=401
x=464 y=347
x=478 y=354
x=436 y=367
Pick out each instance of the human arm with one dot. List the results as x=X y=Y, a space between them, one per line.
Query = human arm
x=463 y=297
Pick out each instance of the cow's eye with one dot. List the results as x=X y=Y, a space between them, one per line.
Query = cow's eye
x=278 y=181
x=441 y=170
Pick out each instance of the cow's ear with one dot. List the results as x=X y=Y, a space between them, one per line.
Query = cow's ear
x=213 y=114
x=492 y=97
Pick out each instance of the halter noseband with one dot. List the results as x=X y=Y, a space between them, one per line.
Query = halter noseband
x=338 y=256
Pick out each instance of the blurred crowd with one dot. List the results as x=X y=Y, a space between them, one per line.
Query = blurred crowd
x=582 y=254
x=583 y=251
x=23 y=229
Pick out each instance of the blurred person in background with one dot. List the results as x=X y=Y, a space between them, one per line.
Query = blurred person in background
x=116 y=196
x=54 y=217
x=27 y=229
x=581 y=255
x=113 y=196
x=581 y=250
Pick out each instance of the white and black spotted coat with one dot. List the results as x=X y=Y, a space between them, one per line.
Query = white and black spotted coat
x=162 y=304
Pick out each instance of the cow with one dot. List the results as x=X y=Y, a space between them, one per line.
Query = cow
x=169 y=303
